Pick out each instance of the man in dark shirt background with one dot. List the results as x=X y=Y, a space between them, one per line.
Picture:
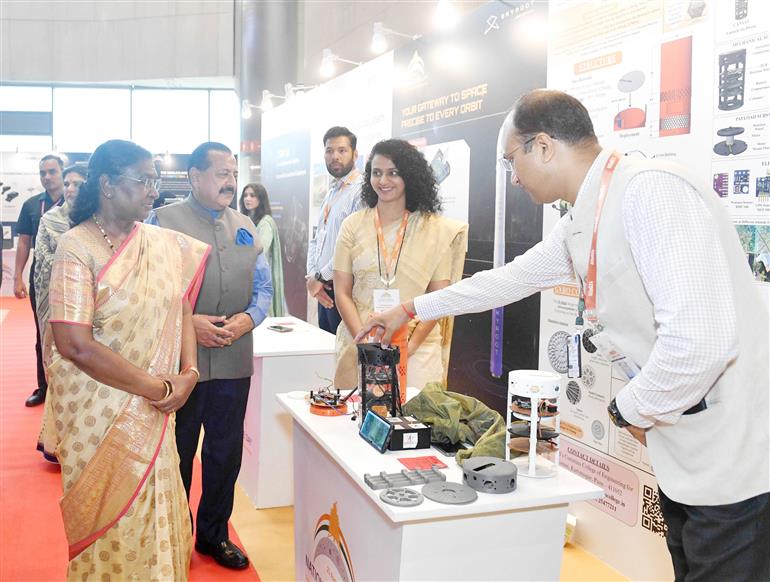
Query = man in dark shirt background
x=29 y=219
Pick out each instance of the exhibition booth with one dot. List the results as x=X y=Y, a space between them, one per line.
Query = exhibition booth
x=373 y=498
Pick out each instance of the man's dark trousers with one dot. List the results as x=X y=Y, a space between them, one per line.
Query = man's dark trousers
x=329 y=319
x=41 y=381
x=220 y=406
x=719 y=542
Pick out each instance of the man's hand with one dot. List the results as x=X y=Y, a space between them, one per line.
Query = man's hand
x=384 y=325
x=19 y=288
x=183 y=387
x=317 y=290
x=639 y=434
x=209 y=335
x=239 y=324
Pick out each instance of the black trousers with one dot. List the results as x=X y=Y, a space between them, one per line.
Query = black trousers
x=219 y=406
x=329 y=319
x=41 y=381
x=719 y=542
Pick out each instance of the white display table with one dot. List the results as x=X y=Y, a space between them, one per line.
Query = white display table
x=297 y=360
x=343 y=531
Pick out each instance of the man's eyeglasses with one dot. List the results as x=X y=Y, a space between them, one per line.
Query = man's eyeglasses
x=149 y=183
x=506 y=162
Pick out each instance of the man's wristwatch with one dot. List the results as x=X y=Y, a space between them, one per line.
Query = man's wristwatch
x=615 y=416
x=318 y=277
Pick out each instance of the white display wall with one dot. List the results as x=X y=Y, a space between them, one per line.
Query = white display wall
x=660 y=78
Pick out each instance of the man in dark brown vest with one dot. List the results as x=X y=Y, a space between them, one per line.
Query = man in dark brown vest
x=234 y=298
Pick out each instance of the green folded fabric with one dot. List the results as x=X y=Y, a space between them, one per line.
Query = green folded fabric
x=459 y=418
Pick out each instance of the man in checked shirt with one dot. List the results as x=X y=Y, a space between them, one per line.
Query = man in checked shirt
x=695 y=343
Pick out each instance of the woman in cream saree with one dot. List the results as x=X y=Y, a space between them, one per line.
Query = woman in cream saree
x=120 y=301
x=418 y=251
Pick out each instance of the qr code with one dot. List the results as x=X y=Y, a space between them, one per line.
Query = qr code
x=652 y=518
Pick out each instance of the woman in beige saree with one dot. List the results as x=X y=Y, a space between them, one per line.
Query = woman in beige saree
x=120 y=316
x=397 y=248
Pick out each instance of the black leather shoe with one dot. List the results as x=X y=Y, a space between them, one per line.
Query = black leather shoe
x=38 y=397
x=225 y=554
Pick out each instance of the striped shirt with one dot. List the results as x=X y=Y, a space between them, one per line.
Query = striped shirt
x=342 y=200
x=677 y=251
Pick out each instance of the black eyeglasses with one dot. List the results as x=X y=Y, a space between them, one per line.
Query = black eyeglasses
x=150 y=184
x=506 y=162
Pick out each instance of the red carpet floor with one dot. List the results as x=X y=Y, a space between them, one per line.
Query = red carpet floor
x=32 y=542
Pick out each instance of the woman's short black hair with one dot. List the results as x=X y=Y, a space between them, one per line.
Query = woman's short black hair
x=110 y=159
x=264 y=203
x=419 y=181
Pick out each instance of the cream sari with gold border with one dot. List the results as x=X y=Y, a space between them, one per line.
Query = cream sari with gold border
x=124 y=506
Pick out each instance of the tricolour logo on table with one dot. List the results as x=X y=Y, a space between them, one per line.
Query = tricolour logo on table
x=330 y=556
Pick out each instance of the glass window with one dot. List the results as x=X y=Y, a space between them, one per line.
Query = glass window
x=83 y=118
x=225 y=119
x=174 y=121
x=25 y=98
x=25 y=143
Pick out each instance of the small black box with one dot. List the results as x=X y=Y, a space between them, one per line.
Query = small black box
x=408 y=433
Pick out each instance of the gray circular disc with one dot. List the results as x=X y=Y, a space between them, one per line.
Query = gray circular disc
x=574 y=394
x=521 y=429
x=401 y=497
x=449 y=493
x=736 y=148
x=597 y=429
x=631 y=81
x=557 y=351
x=725 y=131
x=587 y=344
x=589 y=376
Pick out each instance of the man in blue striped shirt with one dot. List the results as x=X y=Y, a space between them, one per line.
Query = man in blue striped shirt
x=342 y=199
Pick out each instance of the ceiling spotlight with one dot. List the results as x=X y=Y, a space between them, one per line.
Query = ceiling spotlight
x=267 y=102
x=379 y=44
x=327 y=62
x=246 y=109
x=446 y=15
x=291 y=91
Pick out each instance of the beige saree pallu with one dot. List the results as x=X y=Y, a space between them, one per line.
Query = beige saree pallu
x=124 y=506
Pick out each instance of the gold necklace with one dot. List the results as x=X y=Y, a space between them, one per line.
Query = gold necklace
x=104 y=234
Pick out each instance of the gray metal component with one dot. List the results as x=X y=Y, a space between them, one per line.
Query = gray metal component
x=489 y=474
x=404 y=478
x=522 y=429
x=401 y=497
x=730 y=146
x=450 y=493
x=557 y=351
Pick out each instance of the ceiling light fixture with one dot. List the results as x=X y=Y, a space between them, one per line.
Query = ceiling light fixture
x=327 y=62
x=380 y=43
x=446 y=15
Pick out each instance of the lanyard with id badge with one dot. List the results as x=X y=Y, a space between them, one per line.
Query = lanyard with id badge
x=388 y=298
x=587 y=300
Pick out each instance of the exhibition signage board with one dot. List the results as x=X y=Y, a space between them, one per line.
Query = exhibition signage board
x=669 y=79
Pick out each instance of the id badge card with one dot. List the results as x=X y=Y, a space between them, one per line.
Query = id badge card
x=385 y=299
x=607 y=348
x=574 y=364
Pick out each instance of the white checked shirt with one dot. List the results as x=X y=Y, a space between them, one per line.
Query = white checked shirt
x=342 y=200
x=677 y=252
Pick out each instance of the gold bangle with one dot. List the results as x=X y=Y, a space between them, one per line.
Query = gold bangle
x=192 y=369
x=169 y=388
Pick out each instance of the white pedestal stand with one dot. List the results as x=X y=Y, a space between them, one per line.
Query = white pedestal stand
x=536 y=386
